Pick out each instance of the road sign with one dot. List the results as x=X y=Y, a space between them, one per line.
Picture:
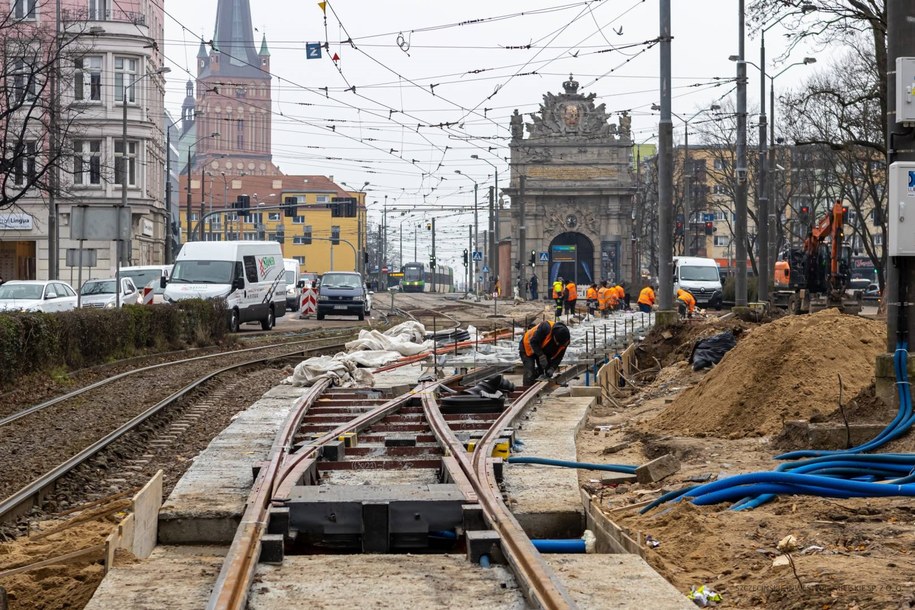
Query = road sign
x=544 y=257
x=485 y=268
x=477 y=256
x=313 y=50
x=384 y=269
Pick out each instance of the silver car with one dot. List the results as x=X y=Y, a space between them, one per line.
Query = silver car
x=101 y=293
x=31 y=295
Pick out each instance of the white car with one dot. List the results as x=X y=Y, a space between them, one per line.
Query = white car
x=32 y=295
x=368 y=298
x=101 y=294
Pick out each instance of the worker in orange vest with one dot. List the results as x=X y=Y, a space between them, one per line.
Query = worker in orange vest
x=542 y=348
x=570 y=297
x=646 y=299
x=619 y=294
x=686 y=302
x=591 y=299
x=557 y=296
x=605 y=296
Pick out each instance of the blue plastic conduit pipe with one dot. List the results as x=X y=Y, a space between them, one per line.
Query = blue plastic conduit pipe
x=568 y=464
x=571 y=545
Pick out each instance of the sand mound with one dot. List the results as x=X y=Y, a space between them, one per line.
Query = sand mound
x=783 y=370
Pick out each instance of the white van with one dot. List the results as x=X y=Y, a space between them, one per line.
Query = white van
x=700 y=277
x=249 y=275
x=292 y=279
x=144 y=274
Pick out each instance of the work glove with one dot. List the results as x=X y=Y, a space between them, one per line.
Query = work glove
x=549 y=373
x=543 y=362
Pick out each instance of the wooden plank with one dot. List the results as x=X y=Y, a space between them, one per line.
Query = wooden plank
x=146 y=506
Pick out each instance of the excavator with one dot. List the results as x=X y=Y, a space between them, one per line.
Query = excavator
x=815 y=276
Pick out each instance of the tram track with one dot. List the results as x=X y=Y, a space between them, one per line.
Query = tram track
x=45 y=442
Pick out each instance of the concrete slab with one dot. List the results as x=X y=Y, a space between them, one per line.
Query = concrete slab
x=621 y=582
x=382 y=581
x=207 y=503
x=172 y=578
x=546 y=500
x=405 y=375
x=379 y=477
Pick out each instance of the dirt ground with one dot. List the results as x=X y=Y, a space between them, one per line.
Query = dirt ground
x=850 y=554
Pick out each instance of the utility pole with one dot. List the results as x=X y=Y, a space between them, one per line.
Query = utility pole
x=169 y=245
x=762 y=186
x=476 y=235
x=900 y=272
x=469 y=267
x=188 y=211
x=666 y=312
x=740 y=226
x=493 y=244
x=433 y=254
x=54 y=178
x=522 y=233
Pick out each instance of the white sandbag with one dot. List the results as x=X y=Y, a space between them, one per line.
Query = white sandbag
x=343 y=372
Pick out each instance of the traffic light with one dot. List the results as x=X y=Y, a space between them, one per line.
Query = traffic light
x=281 y=233
x=709 y=227
x=335 y=235
x=306 y=235
x=844 y=214
x=518 y=265
x=533 y=258
x=878 y=215
x=431 y=261
x=466 y=257
x=290 y=210
x=243 y=205
x=804 y=213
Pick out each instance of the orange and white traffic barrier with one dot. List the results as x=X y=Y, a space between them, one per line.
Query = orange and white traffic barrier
x=309 y=303
x=147 y=296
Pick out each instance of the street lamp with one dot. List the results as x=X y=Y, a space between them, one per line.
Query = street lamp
x=493 y=221
x=687 y=168
x=215 y=134
x=121 y=256
x=476 y=224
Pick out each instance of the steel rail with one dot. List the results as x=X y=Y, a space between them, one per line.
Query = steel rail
x=34 y=488
x=539 y=583
x=98 y=384
x=273 y=484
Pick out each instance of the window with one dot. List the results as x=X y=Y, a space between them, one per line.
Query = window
x=322 y=199
x=98 y=10
x=256 y=218
x=298 y=240
x=25 y=84
x=24 y=168
x=298 y=220
x=231 y=216
x=87 y=162
x=720 y=189
x=250 y=268
x=299 y=259
x=878 y=239
x=273 y=216
x=88 y=78
x=722 y=241
x=240 y=134
x=24 y=9
x=125 y=74
x=131 y=161
x=721 y=164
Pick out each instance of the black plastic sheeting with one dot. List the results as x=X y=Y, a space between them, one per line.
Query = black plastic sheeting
x=710 y=351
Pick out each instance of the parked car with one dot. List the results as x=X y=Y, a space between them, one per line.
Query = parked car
x=342 y=293
x=293 y=292
x=307 y=279
x=31 y=295
x=368 y=298
x=872 y=292
x=144 y=274
x=101 y=293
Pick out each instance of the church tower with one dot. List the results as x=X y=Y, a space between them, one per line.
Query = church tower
x=234 y=97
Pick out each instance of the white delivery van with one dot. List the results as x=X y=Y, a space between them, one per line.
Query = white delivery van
x=291 y=267
x=249 y=275
x=700 y=277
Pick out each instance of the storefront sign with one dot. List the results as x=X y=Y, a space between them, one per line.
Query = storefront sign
x=15 y=222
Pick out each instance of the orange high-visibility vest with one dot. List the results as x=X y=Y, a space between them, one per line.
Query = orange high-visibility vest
x=603 y=297
x=591 y=294
x=529 y=335
x=646 y=297
x=573 y=292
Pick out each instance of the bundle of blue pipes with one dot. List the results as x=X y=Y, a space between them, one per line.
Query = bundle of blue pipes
x=849 y=473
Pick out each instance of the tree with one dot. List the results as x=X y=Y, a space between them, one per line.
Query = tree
x=30 y=55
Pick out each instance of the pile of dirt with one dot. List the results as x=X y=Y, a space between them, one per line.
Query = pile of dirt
x=672 y=344
x=787 y=369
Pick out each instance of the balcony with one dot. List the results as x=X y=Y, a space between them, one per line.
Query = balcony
x=112 y=15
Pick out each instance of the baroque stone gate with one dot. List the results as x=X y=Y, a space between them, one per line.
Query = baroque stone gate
x=575 y=204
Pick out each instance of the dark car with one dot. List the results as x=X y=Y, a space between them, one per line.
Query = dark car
x=342 y=293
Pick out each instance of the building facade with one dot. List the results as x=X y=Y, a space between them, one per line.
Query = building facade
x=572 y=190
x=113 y=54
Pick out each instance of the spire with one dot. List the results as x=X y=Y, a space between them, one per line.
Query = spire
x=234 y=40
x=264 y=50
x=202 y=51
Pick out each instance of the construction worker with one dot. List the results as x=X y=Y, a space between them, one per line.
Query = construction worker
x=686 y=302
x=570 y=297
x=557 y=296
x=619 y=297
x=542 y=348
x=646 y=299
x=591 y=299
x=604 y=299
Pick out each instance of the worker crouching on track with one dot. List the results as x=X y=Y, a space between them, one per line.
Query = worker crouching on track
x=557 y=296
x=686 y=303
x=646 y=299
x=542 y=348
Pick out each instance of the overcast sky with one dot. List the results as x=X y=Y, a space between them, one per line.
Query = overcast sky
x=403 y=47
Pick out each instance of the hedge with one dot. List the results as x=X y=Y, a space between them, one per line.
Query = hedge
x=38 y=342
